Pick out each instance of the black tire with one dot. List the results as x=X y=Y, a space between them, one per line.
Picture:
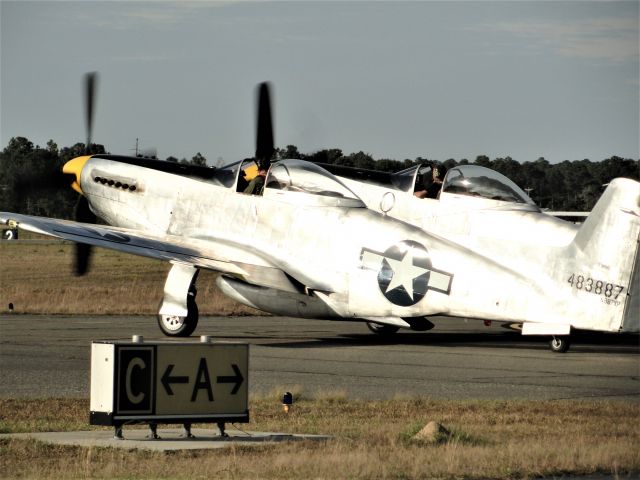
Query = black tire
x=384 y=330
x=173 y=326
x=560 y=344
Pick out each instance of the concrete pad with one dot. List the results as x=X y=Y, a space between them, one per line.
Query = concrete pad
x=171 y=439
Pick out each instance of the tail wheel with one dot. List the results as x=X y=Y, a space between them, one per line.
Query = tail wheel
x=560 y=344
x=380 y=329
x=176 y=326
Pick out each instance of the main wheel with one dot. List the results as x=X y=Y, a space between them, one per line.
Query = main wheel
x=380 y=329
x=175 y=326
x=560 y=344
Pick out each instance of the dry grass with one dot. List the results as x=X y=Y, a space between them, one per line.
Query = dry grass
x=514 y=439
x=37 y=278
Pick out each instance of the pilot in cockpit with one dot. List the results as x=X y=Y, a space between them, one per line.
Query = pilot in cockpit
x=256 y=185
x=430 y=184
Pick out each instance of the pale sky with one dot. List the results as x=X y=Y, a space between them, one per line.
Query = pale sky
x=393 y=79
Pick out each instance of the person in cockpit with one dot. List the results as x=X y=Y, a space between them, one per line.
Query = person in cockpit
x=430 y=185
x=256 y=185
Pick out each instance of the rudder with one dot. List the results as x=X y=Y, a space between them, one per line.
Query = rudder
x=605 y=250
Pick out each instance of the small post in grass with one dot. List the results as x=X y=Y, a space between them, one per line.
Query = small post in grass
x=287 y=402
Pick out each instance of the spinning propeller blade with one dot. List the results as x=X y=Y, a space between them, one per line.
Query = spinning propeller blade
x=82 y=212
x=90 y=80
x=82 y=250
x=264 y=128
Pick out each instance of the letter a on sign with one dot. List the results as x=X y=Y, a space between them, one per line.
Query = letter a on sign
x=203 y=381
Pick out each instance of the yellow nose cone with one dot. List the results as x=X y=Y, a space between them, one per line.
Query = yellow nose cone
x=74 y=167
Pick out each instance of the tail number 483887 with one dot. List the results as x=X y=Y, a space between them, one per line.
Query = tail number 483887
x=597 y=287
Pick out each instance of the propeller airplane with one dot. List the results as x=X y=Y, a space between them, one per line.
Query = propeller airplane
x=323 y=245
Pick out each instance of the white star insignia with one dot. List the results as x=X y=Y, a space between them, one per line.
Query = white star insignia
x=404 y=272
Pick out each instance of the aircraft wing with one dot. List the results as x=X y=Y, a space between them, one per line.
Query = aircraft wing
x=169 y=248
x=211 y=252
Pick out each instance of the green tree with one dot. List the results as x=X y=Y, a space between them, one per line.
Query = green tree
x=79 y=149
x=449 y=163
x=389 y=165
x=199 y=160
x=52 y=147
x=19 y=147
x=32 y=180
x=358 y=160
x=290 y=151
x=483 y=161
x=331 y=155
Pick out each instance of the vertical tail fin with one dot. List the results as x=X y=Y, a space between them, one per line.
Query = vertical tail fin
x=605 y=251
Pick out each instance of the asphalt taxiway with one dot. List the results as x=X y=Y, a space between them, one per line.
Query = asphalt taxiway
x=48 y=356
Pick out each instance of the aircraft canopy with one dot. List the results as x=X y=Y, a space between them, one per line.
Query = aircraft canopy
x=483 y=182
x=298 y=176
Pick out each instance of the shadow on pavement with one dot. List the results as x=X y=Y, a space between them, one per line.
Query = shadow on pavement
x=581 y=342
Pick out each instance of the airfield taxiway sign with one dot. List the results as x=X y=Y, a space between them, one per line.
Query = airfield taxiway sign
x=168 y=381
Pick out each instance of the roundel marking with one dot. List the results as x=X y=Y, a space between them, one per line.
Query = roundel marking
x=404 y=273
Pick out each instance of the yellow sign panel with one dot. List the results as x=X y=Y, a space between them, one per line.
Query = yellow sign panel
x=201 y=379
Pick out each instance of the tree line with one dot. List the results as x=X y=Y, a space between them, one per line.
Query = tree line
x=31 y=182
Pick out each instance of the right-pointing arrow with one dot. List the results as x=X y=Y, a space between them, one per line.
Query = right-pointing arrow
x=237 y=379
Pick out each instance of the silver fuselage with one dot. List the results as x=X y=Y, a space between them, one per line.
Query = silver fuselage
x=501 y=262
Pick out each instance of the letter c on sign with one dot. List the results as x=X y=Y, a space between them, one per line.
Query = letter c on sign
x=136 y=362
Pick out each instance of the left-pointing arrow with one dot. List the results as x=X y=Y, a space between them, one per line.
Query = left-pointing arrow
x=167 y=379
x=237 y=379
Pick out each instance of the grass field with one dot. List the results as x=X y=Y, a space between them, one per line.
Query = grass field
x=38 y=278
x=372 y=440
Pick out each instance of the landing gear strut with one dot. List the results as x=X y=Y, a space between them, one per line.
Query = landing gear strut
x=178 y=312
x=178 y=326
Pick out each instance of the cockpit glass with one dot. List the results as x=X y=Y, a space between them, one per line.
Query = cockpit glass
x=226 y=176
x=300 y=176
x=482 y=182
x=405 y=179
